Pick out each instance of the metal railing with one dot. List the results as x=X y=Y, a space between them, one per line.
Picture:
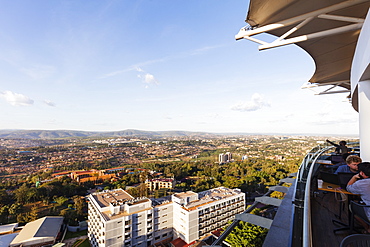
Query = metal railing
x=301 y=228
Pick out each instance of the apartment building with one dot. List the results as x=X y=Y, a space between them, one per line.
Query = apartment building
x=197 y=214
x=159 y=183
x=118 y=219
x=224 y=157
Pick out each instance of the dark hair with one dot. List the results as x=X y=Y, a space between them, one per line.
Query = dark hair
x=365 y=168
x=343 y=142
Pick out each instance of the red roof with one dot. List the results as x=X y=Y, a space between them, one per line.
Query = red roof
x=217 y=232
x=178 y=242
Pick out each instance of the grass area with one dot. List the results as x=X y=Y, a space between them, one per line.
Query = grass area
x=77 y=243
x=82 y=243
x=75 y=234
x=85 y=243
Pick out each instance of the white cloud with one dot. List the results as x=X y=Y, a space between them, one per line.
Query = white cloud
x=49 y=103
x=16 y=99
x=257 y=102
x=149 y=78
x=139 y=69
x=146 y=77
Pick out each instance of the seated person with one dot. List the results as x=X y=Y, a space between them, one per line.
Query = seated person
x=351 y=165
x=360 y=184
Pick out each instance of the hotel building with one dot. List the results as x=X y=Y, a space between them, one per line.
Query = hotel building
x=118 y=219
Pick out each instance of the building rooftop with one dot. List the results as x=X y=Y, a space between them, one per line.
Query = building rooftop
x=161 y=180
x=106 y=197
x=8 y=228
x=6 y=239
x=184 y=195
x=43 y=228
x=212 y=195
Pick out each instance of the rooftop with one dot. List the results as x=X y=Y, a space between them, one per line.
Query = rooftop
x=184 y=195
x=106 y=197
x=212 y=195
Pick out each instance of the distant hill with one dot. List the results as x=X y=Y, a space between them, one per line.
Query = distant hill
x=55 y=134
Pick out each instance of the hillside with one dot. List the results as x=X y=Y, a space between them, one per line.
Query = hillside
x=55 y=134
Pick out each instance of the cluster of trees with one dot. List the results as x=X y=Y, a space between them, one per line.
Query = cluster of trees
x=62 y=197
x=252 y=176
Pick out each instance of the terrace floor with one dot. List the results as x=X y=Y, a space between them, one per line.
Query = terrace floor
x=325 y=207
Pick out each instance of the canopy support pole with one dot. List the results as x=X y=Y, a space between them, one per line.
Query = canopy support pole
x=364 y=119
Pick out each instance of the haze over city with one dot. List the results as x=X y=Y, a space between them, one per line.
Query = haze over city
x=154 y=65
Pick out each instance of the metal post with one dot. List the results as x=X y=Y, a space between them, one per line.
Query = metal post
x=364 y=118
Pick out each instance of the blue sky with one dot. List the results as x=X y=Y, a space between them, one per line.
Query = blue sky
x=154 y=65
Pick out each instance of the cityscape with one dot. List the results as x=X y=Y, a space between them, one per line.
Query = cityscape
x=135 y=178
x=163 y=124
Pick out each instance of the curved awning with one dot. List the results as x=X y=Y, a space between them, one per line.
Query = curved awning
x=328 y=30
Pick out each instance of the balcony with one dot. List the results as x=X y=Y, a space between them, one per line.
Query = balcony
x=304 y=217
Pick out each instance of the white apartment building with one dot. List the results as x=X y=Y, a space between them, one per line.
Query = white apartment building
x=117 y=219
x=197 y=214
x=224 y=157
x=159 y=183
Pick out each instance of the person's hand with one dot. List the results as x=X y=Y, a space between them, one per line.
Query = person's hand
x=357 y=176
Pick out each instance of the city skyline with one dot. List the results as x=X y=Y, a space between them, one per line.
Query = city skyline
x=150 y=65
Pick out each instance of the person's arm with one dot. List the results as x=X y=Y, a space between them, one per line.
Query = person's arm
x=354 y=179
x=340 y=169
x=332 y=143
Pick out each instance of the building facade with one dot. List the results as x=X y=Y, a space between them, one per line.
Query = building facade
x=118 y=219
x=224 y=157
x=197 y=214
x=159 y=183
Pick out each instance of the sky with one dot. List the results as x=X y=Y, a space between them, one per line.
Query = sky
x=154 y=65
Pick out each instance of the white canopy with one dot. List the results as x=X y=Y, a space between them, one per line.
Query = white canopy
x=327 y=29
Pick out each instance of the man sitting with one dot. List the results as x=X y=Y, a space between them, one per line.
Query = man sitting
x=351 y=165
x=360 y=184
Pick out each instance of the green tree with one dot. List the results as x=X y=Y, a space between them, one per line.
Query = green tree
x=61 y=200
x=21 y=194
x=70 y=216
x=15 y=209
x=79 y=205
x=33 y=215
x=5 y=197
x=4 y=213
